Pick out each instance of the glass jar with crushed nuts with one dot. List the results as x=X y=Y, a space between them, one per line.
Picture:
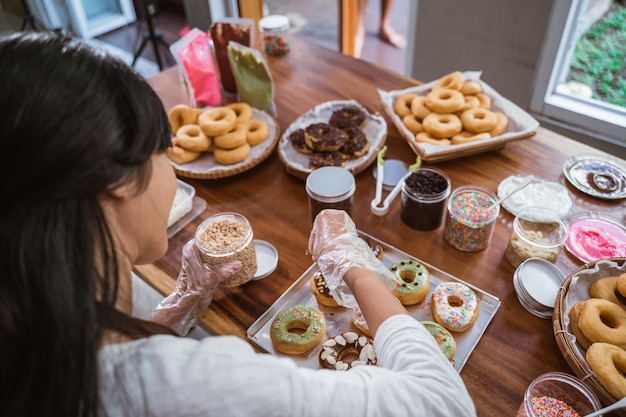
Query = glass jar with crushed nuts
x=227 y=237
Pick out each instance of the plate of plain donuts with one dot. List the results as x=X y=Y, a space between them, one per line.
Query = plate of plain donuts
x=456 y=115
x=334 y=133
x=589 y=321
x=220 y=141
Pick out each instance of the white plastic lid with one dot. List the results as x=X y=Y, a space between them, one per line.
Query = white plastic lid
x=330 y=184
x=275 y=22
x=266 y=259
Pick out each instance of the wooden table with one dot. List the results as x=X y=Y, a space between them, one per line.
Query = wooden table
x=516 y=346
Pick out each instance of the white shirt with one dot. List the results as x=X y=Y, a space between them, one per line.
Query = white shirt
x=223 y=376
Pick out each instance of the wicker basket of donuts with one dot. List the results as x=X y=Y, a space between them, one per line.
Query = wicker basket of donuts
x=335 y=133
x=308 y=325
x=456 y=115
x=589 y=324
x=220 y=141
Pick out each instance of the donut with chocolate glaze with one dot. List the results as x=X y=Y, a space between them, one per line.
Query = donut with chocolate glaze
x=347 y=117
x=327 y=159
x=323 y=137
x=337 y=351
x=297 y=141
x=321 y=291
x=356 y=144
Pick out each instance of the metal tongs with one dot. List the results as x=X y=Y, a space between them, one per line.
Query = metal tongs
x=380 y=172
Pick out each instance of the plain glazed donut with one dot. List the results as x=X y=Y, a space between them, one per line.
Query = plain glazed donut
x=232 y=156
x=256 y=132
x=412 y=281
x=471 y=87
x=337 y=351
x=606 y=288
x=455 y=306
x=442 y=126
x=323 y=137
x=443 y=337
x=232 y=139
x=574 y=314
x=425 y=137
x=502 y=123
x=192 y=138
x=402 y=105
x=418 y=107
x=445 y=100
x=471 y=102
x=243 y=111
x=620 y=285
x=485 y=101
x=478 y=120
x=603 y=321
x=180 y=155
x=412 y=122
x=181 y=115
x=321 y=291
x=465 y=137
x=608 y=362
x=453 y=81
x=305 y=318
x=217 y=121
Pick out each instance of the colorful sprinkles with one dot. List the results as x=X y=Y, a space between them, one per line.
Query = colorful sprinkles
x=545 y=406
x=470 y=222
x=455 y=304
x=275 y=45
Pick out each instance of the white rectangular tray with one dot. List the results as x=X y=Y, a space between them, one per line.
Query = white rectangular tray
x=338 y=319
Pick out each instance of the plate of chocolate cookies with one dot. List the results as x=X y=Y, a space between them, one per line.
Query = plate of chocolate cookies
x=339 y=133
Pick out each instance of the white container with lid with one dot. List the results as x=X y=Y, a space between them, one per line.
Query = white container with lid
x=330 y=188
x=274 y=29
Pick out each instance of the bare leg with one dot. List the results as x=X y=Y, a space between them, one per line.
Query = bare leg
x=359 y=36
x=386 y=32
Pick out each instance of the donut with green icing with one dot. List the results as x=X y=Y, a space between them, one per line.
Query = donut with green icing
x=412 y=281
x=297 y=329
x=443 y=337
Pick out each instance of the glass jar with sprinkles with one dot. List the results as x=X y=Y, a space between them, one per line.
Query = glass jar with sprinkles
x=330 y=188
x=471 y=218
x=227 y=237
x=557 y=394
x=274 y=30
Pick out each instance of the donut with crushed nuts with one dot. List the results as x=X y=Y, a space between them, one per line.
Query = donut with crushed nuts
x=323 y=137
x=347 y=117
x=347 y=350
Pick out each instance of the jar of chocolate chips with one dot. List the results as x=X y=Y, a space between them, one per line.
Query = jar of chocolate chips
x=424 y=194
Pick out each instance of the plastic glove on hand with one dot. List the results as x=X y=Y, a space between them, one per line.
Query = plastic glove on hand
x=194 y=290
x=336 y=247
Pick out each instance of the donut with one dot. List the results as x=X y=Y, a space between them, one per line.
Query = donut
x=346 y=351
x=418 y=107
x=243 y=112
x=413 y=123
x=192 y=138
x=603 y=321
x=181 y=155
x=323 y=137
x=346 y=117
x=608 y=362
x=478 y=120
x=445 y=100
x=620 y=285
x=231 y=156
x=606 y=289
x=502 y=123
x=356 y=144
x=297 y=141
x=376 y=248
x=232 y=139
x=327 y=159
x=454 y=81
x=574 y=314
x=412 y=281
x=443 y=337
x=402 y=105
x=455 y=306
x=217 y=121
x=301 y=317
x=321 y=291
x=181 y=115
x=471 y=87
x=359 y=322
x=426 y=137
x=470 y=102
x=466 y=136
x=256 y=132
x=485 y=101
x=442 y=126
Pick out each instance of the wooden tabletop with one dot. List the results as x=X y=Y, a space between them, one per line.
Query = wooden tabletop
x=515 y=348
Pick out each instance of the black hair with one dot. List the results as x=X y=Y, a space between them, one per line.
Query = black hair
x=74 y=123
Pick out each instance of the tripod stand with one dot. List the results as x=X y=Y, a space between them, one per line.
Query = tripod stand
x=152 y=36
x=29 y=18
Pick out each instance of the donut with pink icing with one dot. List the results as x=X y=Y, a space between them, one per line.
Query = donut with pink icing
x=455 y=306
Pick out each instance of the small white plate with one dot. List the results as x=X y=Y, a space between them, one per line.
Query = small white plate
x=266 y=259
x=539 y=193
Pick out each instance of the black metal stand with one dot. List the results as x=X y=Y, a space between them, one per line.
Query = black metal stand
x=152 y=36
x=29 y=18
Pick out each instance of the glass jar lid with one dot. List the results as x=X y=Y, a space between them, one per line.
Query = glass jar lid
x=330 y=184
x=274 y=23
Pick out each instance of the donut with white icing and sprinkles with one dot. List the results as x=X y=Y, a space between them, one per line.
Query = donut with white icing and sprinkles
x=455 y=306
x=347 y=350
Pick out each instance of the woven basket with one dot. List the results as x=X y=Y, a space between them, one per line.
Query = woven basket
x=567 y=342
